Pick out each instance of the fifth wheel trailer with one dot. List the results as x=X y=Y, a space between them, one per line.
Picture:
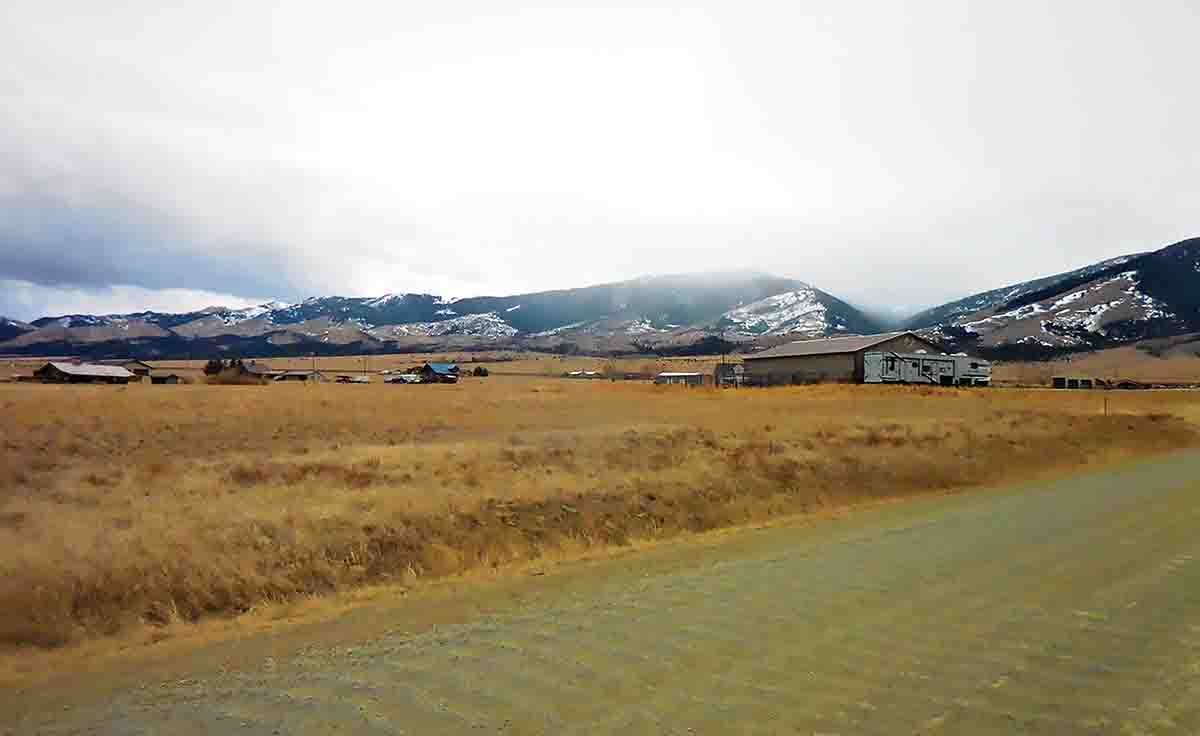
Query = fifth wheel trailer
x=939 y=370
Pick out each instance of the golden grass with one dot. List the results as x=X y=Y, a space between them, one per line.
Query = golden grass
x=1112 y=364
x=122 y=506
x=500 y=363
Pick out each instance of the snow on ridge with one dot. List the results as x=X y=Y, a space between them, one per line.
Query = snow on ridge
x=1085 y=307
x=792 y=311
x=513 y=309
x=639 y=327
x=486 y=324
x=379 y=301
x=555 y=330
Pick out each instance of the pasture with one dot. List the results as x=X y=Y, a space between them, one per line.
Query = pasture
x=126 y=506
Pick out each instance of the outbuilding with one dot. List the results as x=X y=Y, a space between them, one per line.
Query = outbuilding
x=679 y=379
x=301 y=377
x=828 y=359
x=63 y=372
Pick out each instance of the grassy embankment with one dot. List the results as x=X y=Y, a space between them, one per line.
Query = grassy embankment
x=139 y=504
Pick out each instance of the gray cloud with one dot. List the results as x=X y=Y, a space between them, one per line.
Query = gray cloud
x=895 y=156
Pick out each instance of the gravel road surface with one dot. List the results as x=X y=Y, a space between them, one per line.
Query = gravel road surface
x=1062 y=607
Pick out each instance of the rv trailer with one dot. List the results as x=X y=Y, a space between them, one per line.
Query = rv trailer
x=938 y=370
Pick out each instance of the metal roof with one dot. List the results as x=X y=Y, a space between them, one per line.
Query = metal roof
x=669 y=374
x=91 y=369
x=829 y=345
x=442 y=367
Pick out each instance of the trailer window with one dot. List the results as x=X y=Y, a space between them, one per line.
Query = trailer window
x=890 y=364
x=927 y=369
x=974 y=366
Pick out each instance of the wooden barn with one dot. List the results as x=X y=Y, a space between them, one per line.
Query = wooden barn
x=63 y=372
x=827 y=359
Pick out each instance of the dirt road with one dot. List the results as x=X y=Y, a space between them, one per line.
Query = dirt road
x=1059 y=608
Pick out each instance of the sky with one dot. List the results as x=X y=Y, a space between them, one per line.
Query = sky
x=172 y=156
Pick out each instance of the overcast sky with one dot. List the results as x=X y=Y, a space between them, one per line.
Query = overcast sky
x=173 y=155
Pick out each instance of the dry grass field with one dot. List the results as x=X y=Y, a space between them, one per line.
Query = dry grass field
x=126 y=506
x=499 y=363
x=1113 y=364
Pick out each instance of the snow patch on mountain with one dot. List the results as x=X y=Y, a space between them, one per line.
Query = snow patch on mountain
x=639 y=326
x=556 y=330
x=800 y=310
x=487 y=325
x=1061 y=319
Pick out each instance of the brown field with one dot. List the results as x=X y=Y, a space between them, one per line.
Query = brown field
x=1176 y=367
x=1180 y=365
x=500 y=363
x=126 y=506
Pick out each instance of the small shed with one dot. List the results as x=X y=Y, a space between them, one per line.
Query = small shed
x=169 y=378
x=1073 y=382
x=305 y=376
x=63 y=372
x=679 y=379
x=352 y=379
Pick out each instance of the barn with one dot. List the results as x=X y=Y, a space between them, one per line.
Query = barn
x=60 y=372
x=827 y=359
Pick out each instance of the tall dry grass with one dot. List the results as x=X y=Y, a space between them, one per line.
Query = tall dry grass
x=128 y=505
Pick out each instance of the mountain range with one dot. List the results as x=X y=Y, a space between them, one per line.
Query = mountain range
x=1142 y=295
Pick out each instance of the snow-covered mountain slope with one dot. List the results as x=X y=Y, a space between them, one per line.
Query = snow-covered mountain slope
x=805 y=311
x=486 y=325
x=621 y=314
x=10 y=328
x=799 y=311
x=947 y=313
x=1119 y=300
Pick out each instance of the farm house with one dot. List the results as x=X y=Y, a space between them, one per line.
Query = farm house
x=828 y=359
